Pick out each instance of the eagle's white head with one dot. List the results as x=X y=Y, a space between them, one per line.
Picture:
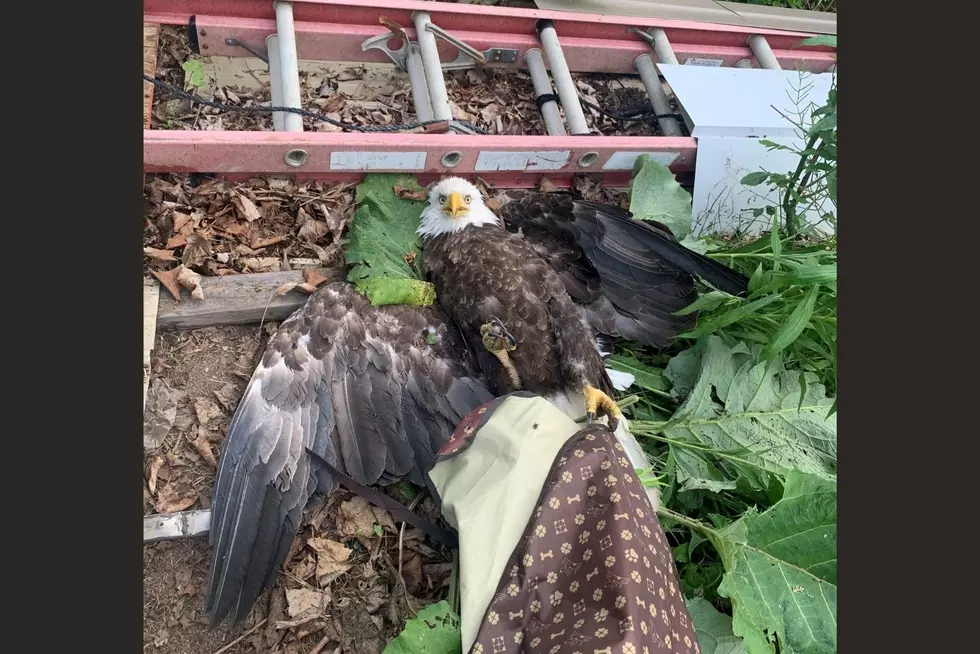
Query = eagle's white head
x=454 y=203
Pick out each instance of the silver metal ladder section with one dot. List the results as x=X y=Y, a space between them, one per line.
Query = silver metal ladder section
x=420 y=60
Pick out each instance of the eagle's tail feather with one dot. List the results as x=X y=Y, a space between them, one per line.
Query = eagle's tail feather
x=573 y=405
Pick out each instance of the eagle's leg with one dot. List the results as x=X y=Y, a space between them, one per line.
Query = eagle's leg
x=598 y=403
x=499 y=342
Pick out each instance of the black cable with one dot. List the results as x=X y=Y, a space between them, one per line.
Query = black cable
x=303 y=112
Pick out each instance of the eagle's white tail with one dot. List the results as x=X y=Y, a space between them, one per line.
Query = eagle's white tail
x=573 y=405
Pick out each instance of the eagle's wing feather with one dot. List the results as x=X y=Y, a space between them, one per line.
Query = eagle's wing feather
x=356 y=384
x=636 y=275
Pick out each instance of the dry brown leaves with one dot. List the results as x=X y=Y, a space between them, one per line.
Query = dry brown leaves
x=175 y=496
x=218 y=228
x=312 y=279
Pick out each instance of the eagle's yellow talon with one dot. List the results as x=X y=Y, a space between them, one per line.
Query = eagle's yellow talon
x=598 y=403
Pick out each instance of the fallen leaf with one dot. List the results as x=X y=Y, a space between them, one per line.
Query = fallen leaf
x=191 y=281
x=412 y=571
x=154 y=469
x=304 y=601
x=313 y=230
x=313 y=277
x=180 y=221
x=304 y=569
x=302 y=217
x=223 y=257
x=161 y=638
x=494 y=204
x=205 y=410
x=159 y=255
x=277 y=611
x=383 y=518
x=285 y=288
x=169 y=280
x=227 y=395
x=259 y=243
x=410 y=258
x=159 y=414
x=175 y=497
x=355 y=518
x=197 y=251
x=409 y=194
x=203 y=448
x=236 y=229
x=246 y=208
x=185 y=582
x=331 y=559
x=547 y=186
x=176 y=241
x=260 y=264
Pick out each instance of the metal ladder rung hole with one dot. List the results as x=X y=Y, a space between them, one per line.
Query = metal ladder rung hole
x=588 y=159
x=451 y=159
x=296 y=158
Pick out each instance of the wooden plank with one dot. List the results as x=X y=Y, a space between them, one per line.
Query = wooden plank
x=151 y=37
x=151 y=303
x=237 y=300
x=168 y=526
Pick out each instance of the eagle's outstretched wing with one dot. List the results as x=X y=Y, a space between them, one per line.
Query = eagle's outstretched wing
x=374 y=391
x=629 y=276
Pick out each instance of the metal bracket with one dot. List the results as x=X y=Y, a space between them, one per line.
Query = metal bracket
x=469 y=57
x=245 y=46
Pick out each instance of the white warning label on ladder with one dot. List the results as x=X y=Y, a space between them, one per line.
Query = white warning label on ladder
x=522 y=161
x=377 y=160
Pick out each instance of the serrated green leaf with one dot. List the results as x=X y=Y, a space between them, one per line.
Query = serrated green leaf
x=714 y=628
x=384 y=251
x=435 y=630
x=646 y=377
x=656 y=195
x=742 y=405
x=695 y=472
x=754 y=179
x=781 y=570
x=793 y=326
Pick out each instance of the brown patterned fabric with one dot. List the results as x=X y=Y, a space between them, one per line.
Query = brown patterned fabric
x=593 y=573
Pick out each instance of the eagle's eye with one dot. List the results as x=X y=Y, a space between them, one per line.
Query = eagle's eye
x=442 y=199
x=467 y=199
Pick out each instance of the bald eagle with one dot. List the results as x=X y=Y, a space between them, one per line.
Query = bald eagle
x=525 y=300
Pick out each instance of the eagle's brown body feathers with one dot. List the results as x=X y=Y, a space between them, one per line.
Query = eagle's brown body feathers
x=485 y=272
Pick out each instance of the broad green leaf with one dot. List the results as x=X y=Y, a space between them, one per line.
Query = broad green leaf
x=656 y=195
x=695 y=472
x=821 y=39
x=793 y=327
x=781 y=570
x=194 y=70
x=754 y=179
x=714 y=628
x=682 y=372
x=384 y=251
x=435 y=630
x=741 y=404
x=646 y=377
x=695 y=244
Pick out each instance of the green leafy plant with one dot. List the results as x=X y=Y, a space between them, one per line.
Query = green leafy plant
x=384 y=251
x=814 y=181
x=435 y=630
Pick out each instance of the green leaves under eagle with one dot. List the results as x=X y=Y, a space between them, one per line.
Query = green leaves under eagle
x=525 y=300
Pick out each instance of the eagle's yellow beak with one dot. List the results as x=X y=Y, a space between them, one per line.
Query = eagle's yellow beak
x=456 y=207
